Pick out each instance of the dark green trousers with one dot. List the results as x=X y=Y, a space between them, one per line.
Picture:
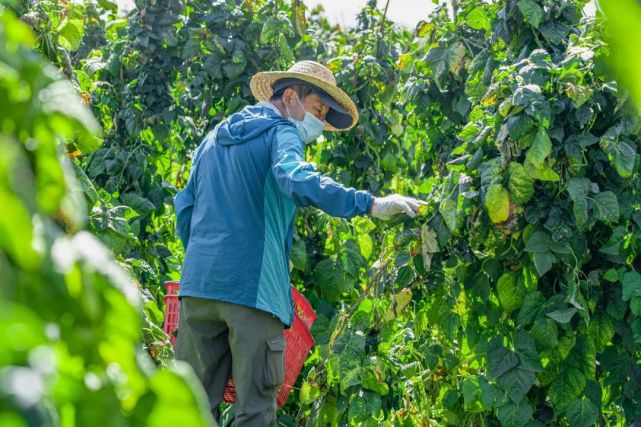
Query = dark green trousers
x=218 y=338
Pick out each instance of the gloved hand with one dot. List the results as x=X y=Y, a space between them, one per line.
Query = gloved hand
x=389 y=206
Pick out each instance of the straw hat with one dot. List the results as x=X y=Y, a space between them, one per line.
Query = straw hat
x=321 y=81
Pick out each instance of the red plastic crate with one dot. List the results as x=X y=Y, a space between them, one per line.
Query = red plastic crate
x=171 y=310
x=298 y=339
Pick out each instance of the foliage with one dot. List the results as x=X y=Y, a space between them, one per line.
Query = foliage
x=530 y=165
x=514 y=299
x=71 y=315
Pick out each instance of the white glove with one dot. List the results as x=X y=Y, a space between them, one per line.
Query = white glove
x=389 y=206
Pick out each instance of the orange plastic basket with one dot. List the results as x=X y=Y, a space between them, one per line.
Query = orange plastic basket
x=298 y=339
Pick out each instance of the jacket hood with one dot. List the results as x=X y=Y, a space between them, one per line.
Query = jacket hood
x=248 y=124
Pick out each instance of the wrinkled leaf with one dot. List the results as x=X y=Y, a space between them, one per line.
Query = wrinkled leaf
x=532 y=12
x=631 y=283
x=520 y=184
x=497 y=203
x=562 y=316
x=606 y=207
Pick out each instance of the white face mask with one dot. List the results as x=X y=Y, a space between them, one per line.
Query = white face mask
x=310 y=128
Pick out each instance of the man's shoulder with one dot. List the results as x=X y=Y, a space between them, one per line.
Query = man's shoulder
x=287 y=131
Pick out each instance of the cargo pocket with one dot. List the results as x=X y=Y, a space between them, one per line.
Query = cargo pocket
x=274 y=372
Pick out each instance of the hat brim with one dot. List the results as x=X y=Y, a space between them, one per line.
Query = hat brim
x=261 y=87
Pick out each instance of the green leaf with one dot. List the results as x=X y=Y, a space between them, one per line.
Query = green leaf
x=510 y=295
x=526 y=351
x=448 y=209
x=520 y=126
x=298 y=253
x=153 y=312
x=363 y=407
x=370 y=380
x=566 y=344
x=138 y=203
x=16 y=234
x=176 y=401
x=491 y=394
x=631 y=283
x=535 y=159
x=398 y=304
x=520 y=184
x=580 y=210
x=60 y=97
x=270 y=31
x=566 y=387
x=601 y=330
x=532 y=12
x=349 y=379
x=622 y=153
x=582 y=412
x=543 y=262
x=500 y=359
x=579 y=188
x=545 y=174
x=545 y=333
x=540 y=149
x=606 y=207
x=491 y=173
x=611 y=275
x=85 y=184
x=497 y=203
x=472 y=394
x=108 y=5
x=332 y=280
x=514 y=414
x=233 y=70
x=455 y=55
x=322 y=329
x=635 y=305
x=614 y=244
x=624 y=159
x=350 y=258
x=583 y=356
x=285 y=50
x=365 y=244
x=554 y=31
x=578 y=93
x=70 y=34
x=477 y=19
x=517 y=382
x=363 y=225
x=538 y=242
x=562 y=316
x=308 y=393
x=532 y=304
x=16 y=318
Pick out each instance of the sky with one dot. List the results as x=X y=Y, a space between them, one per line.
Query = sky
x=402 y=12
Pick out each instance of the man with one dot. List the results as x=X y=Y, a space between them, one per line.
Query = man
x=235 y=218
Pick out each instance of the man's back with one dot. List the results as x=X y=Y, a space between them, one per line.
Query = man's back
x=236 y=240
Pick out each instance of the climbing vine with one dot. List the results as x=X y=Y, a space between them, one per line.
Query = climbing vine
x=514 y=299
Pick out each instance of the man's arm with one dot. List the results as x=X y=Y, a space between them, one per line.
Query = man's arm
x=185 y=199
x=184 y=207
x=299 y=180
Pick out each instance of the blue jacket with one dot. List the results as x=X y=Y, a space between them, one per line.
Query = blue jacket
x=235 y=217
